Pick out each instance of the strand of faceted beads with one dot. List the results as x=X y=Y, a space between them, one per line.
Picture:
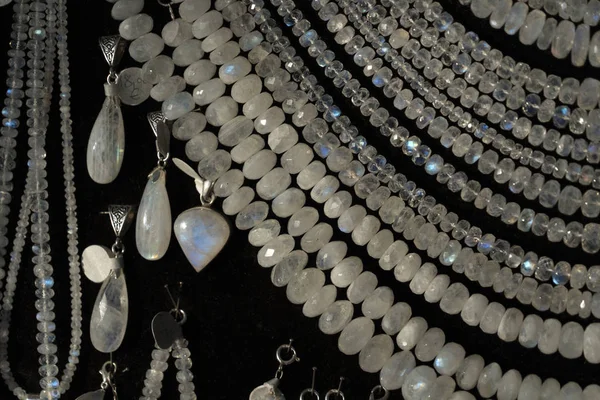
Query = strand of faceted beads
x=183 y=363
x=509 y=213
x=444 y=79
x=264 y=180
x=70 y=200
x=462 y=145
x=505 y=79
x=251 y=214
x=380 y=159
x=154 y=376
x=566 y=38
x=40 y=84
x=575 y=10
x=529 y=285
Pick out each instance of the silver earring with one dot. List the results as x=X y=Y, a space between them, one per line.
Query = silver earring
x=285 y=355
x=336 y=394
x=311 y=393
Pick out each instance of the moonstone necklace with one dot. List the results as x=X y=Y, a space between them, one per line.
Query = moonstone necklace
x=39 y=35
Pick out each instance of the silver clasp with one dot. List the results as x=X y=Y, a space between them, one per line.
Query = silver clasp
x=108 y=371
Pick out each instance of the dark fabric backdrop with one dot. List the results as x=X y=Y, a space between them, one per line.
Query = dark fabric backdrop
x=237 y=318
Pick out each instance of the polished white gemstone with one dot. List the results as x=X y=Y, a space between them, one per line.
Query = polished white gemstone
x=259 y=164
x=106 y=144
x=594 y=52
x=288 y=202
x=246 y=88
x=411 y=333
x=265 y=231
x=269 y=120
x=216 y=39
x=356 y=335
x=532 y=27
x=302 y=221
x=146 y=47
x=251 y=215
x=247 y=148
x=361 y=287
x=449 y=359
x=234 y=70
x=407 y=267
x=320 y=301
x=454 y=299
x=201 y=146
x=282 y=138
x=564 y=38
x=365 y=230
x=490 y=321
x=257 y=105
x=510 y=325
x=395 y=318
x=331 y=254
x=337 y=204
x=287 y=268
x=234 y=130
x=110 y=313
x=351 y=218
x=123 y=9
x=430 y=344
x=224 y=53
x=310 y=175
x=591 y=343
x=178 y=105
x=324 y=189
x=581 y=44
x=377 y=303
x=376 y=353
x=550 y=337
x=202 y=233
x=176 y=32
x=468 y=372
x=346 y=271
x=188 y=52
x=136 y=26
x=396 y=369
x=490 y=376
x=418 y=382
x=437 y=288
x=474 y=309
x=221 y=110
x=508 y=387
x=199 y=72
x=379 y=243
x=423 y=278
x=275 y=250
x=570 y=344
x=156 y=70
x=238 y=200
x=191 y=10
x=304 y=284
x=153 y=224
x=317 y=237
x=167 y=88
x=228 y=183
x=207 y=24
x=98 y=261
x=336 y=317
x=393 y=255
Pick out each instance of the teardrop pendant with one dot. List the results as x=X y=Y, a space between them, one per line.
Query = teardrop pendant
x=153 y=224
x=110 y=313
x=106 y=145
x=95 y=395
x=267 y=391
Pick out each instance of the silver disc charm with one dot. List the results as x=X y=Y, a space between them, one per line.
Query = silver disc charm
x=98 y=261
x=133 y=90
x=166 y=330
x=267 y=391
x=96 y=395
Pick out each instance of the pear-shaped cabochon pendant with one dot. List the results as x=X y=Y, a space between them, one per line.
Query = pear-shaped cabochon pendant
x=202 y=233
x=153 y=224
x=109 y=316
x=267 y=391
x=96 y=395
x=106 y=145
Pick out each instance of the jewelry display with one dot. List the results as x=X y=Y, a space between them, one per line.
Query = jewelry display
x=286 y=355
x=456 y=262
x=153 y=223
x=106 y=145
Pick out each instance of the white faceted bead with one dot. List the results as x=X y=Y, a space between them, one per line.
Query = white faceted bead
x=564 y=38
x=365 y=230
x=570 y=344
x=508 y=388
x=449 y=359
x=273 y=183
x=430 y=345
x=411 y=333
x=246 y=88
x=302 y=221
x=282 y=138
x=269 y=120
x=265 y=231
x=224 y=53
x=216 y=39
x=531 y=330
x=393 y=255
x=591 y=343
x=297 y=158
x=259 y=164
x=376 y=353
x=124 y=9
x=304 y=284
x=251 y=215
x=176 y=32
x=146 y=47
x=247 y=148
x=191 y=10
x=530 y=388
x=288 y=202
x=167 y=88
x=361 y=287
x=234 y=70
x=532 y=27
x=207 y=92
x=188 y=52
x=331 y=254
x=234 y=130
x=317 y=237
x=510 y=325
x=468 y=373
x=490 y=321
x=490 y=376
x=201 y=145
x=337 y=204
x=257 y=105
x=454 y=299
x=474 y=309
x=310 y=175
x=325 y=189
x=221 y=110
x=199 y=72
x=442 y=389
x=346 y=271
x=336 y=317
x=550 y=337
x=407 y=267
x=320 y=301
x=288 y=268
x=378 y=302
x=418 y=382
x=275 y=250
x=178 y=105
x=461 y=396
x=395 y=318
x=207 y=24
x=396 y=369
x=136 y=26
x=356 y=335
x=350 y=218
x=380 y=243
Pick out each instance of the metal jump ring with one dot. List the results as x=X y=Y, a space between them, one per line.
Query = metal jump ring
x=377 y=391
x=309 y=392
x=288 y=349
x=176 y=314
x=335 y=393
x=165 y=3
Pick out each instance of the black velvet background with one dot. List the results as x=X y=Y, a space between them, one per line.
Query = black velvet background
x=237 y=318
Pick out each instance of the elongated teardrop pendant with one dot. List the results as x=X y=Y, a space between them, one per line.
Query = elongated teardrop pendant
x=267 y=391
x=153 y=225
x=106 y=145
x=202 y=233
x=109 y=316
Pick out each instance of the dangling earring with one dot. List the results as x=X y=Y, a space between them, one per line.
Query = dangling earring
x=106 y=144
x=153 y=224
x=336 y=393
x=201 y=231
x=169 y=341
x=108 y=371
x=379 y=393
x=100 y=264
x=269 y=390
x=311 y=393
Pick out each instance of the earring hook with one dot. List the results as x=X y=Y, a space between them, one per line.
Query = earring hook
x=179 y=313
x=311 y=392
x=337 y=393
